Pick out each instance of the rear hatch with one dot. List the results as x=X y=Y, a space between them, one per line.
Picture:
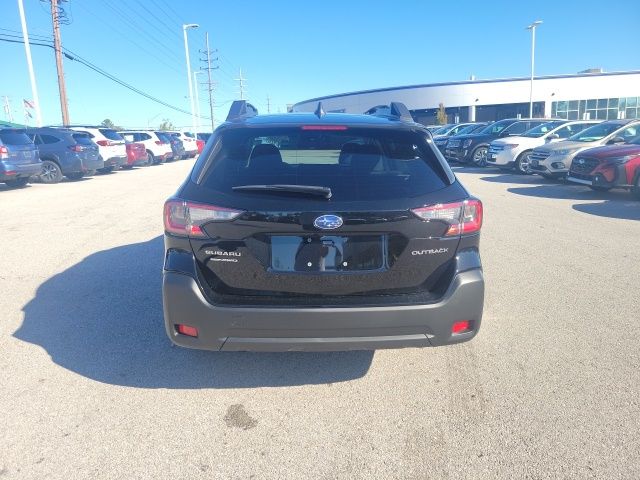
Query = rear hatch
x=20 y=150
x=85 y=148
x=114 y=146
x=307 y=216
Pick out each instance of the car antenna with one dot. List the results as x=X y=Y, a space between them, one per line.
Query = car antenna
x=320 y=111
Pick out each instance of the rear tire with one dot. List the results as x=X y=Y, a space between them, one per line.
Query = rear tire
x=51 y=172
x=75 y=175
x=523 y=166
x=635 y=190
x=479 y=156
x=106 y=169
x=18 y=182
x=151 y=160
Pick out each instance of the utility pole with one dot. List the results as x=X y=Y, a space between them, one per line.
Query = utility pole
x=210 y=84
x=241 y=81
x=32 y=76
x=268 y=104
x=7 y=109
x=57 y=46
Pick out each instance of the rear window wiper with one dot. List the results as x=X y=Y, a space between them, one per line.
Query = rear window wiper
x=302 y=189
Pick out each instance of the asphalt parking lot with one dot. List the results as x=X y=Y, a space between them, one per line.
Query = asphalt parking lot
x=92 y=388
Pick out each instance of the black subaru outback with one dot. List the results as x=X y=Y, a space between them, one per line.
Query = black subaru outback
x=314 y=231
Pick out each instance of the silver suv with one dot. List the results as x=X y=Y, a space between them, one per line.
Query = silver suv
x=553 y=161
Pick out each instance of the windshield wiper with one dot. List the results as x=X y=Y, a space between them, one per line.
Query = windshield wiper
x=302 y=189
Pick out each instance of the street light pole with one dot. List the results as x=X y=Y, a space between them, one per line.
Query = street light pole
x=532 y=27
x=186 y=51
x=197 y=101
x=32 y=76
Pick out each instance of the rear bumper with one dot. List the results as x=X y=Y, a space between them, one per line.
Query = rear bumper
x=320 y=329
x=10 y=171
x=116 y=161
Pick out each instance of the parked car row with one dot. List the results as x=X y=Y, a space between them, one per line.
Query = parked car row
x=600 y=154
x=49 y=154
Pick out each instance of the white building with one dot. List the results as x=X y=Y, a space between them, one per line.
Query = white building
x=587 y=95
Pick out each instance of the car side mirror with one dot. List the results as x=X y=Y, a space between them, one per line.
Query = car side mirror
x=615 y=140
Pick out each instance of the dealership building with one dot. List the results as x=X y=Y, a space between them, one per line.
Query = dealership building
x=590 y=95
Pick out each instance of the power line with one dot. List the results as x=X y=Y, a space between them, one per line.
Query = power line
x=169 y=28
x=74 y=57
x=127 y=36
x=138 y=26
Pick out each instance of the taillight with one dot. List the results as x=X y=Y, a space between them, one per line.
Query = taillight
x=462 y=217
x=186 y=218
x=158 y=142
x=4 y=152
x=75 y=148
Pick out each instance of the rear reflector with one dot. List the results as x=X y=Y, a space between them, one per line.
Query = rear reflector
x=324 y=127
x=186 y=218
x=187 y=330
x=462 y=326
x=462 y=217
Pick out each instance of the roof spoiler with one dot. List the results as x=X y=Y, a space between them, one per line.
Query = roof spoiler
x=241 y=109
x=394 y=109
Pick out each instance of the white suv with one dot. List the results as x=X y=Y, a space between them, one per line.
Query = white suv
x=157 y=149
x=190 y=145
x=111 y=146
x=513 y=152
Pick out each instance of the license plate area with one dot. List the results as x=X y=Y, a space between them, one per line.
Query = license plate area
x=327 y=253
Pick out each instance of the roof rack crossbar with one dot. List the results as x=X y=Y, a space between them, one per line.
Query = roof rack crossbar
x=395 y=109
x=241 y=109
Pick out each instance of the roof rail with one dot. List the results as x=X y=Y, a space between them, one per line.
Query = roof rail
x=394 y=109
x=241 y=109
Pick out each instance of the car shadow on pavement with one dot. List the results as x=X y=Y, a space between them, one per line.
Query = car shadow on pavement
x=102 y=318
x=563 y=191
x=517 y=178
x=629 y=210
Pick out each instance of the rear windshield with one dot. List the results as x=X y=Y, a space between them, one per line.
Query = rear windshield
x=163 y=137
x=356 y=164
x=15 y=138
x=110 y=134
x=82 y=139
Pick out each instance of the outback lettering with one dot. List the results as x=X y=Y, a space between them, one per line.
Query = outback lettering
x=430 y=251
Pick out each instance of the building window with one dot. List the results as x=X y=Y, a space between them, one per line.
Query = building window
x=597 y=109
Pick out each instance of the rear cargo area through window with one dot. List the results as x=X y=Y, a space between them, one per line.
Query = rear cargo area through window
x=356 y=164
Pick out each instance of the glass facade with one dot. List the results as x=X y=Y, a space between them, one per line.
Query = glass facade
x=597 y=109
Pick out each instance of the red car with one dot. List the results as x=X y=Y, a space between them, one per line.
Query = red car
x=607 y=167
x=136 y=155
x=200 y=144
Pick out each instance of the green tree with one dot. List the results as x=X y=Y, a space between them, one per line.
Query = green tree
x=441 y=118
x=166 y=125
x=108 y=123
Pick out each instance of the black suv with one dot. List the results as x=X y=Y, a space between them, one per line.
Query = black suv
x=474 y=147
x=314 y=231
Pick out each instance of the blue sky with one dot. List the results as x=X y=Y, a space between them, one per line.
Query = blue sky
x=293 y=50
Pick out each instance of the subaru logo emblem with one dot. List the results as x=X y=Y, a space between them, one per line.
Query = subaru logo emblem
x=327 y=222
